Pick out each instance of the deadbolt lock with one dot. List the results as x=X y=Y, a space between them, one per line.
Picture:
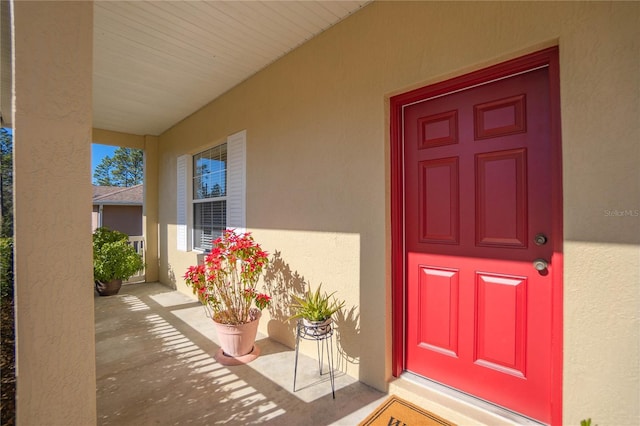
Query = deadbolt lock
x=540 y=239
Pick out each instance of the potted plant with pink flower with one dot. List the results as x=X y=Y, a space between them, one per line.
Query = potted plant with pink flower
x=226 y=285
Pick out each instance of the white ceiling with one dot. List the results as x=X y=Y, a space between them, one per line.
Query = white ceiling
x=156 y=62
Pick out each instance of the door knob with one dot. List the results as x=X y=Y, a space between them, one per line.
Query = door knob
x=540 y=264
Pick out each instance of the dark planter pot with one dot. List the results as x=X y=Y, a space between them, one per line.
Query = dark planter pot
x=108 y=288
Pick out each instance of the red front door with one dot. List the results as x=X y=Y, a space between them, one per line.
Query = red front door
x=479 y=241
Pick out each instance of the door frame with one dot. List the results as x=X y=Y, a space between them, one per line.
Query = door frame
x=545 y=58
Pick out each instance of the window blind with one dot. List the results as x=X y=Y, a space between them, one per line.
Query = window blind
x=182 y=232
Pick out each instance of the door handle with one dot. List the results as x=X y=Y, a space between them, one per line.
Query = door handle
x=540 y=264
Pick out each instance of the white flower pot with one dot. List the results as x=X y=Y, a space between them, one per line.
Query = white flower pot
x=316 y=328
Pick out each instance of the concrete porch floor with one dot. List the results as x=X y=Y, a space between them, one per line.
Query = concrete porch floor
x=155 y=365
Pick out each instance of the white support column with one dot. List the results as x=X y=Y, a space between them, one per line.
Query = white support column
x=52 y=57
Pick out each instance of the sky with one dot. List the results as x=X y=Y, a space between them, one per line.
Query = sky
x=98 y=152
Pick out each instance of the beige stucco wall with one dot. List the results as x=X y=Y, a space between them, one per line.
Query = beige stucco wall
x=318 y=181
x=150 y=207
x=109 y=137
x=55 y=368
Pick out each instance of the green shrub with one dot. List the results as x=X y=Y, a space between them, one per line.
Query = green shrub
x=113 y=257
x=6 y=267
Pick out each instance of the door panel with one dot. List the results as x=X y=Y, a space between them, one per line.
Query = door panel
x=439 y=198
x=501 y=335
x=477 y=172
x=501 y=199
x=438 y=309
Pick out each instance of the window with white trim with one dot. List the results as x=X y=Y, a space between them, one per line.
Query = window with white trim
x=209 y=196
x=211 y=193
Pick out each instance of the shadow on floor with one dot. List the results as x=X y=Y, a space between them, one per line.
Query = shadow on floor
x=155 y=365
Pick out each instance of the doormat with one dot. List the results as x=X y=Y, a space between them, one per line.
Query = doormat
x=397 y=411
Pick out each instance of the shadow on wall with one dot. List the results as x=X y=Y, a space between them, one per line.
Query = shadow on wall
x=347 y=337
x=281 y=283
x=172 y=277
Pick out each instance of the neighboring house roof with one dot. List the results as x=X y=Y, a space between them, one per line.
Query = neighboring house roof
x=131 y=196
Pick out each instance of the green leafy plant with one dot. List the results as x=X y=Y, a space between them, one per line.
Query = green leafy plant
x=6 y=268
x=226 y=282
x=113 y=257
x=315 y=305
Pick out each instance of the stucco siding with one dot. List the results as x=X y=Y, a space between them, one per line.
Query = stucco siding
x=318 y=171
x=55 y=346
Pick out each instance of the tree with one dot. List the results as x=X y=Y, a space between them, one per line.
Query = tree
x=125 y=168
x=6 y=183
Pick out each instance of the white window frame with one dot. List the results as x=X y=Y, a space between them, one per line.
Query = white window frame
x=235 y=197
x=198 y=234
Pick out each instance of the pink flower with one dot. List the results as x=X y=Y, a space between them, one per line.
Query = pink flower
x=262 y=301
x=229 y=274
